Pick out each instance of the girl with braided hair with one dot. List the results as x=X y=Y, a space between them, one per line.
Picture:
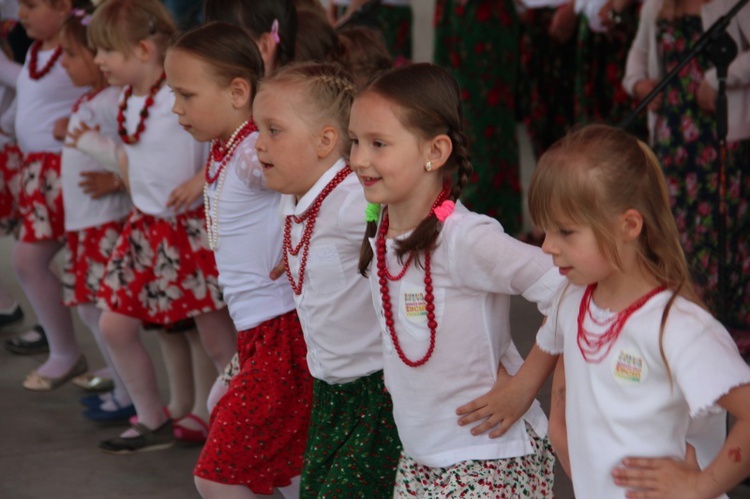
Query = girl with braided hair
x=302 y=113
x=441 y=284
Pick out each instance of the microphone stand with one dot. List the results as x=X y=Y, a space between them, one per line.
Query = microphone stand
x=721 y=49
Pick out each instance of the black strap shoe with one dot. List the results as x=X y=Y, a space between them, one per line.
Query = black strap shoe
x=20 y=346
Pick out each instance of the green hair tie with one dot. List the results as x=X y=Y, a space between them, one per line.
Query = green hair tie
x=372 y=212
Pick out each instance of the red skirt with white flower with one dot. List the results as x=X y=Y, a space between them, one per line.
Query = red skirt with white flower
x=11 y=159
x=161 y=269
x=40 y=202
x=87 y=252
x=259 y=427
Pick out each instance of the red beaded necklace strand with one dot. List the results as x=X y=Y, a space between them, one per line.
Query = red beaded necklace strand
x=222 y=153
x=211 y=209
x=33 y=59
x=87 y=97
x=384 y=276
x=590 y=343
x=311 y=215
x=121 y=130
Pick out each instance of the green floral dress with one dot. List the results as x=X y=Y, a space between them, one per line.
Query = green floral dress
x=478 y=42
x=600 y=67
x=685 y=142
x=545 y=82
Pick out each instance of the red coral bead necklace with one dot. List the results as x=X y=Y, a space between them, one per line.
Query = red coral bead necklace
x=592 y=344
x=35 y=73
x=87 y=97
x=310 y=216
x=384 y=276
x=212 y=210
x=121 y=129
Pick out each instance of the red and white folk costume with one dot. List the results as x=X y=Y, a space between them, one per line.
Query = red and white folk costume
x=161 y=269
x=44 y=94
x=259 y=445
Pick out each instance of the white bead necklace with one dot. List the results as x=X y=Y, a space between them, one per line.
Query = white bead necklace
x=212 y=209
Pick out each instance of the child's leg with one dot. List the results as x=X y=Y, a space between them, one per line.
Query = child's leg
x=204 y=375
x=221 y=384
x=290 y=491
x=208 y=489
x=131 y=359
x=175 y=350
x=91 y=315
x=31 y=263
x=218 y=336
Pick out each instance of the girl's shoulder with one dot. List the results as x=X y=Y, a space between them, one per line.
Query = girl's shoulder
x=105 y=102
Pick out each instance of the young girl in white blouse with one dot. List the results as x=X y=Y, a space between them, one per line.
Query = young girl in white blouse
x=44 y=97
x=646 y=366
x=302 y=114
x=93 y=220
x=213 y=72
x=161 y=270
x=441 y=279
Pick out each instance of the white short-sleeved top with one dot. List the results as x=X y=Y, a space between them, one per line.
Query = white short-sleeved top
x=164 y=158
x=626 y=404
x=40 y=103
x=81 y=210
x=335 y=307
x=249 y=244
x=475 y=269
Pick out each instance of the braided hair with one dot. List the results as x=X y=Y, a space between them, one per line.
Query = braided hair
x=429 y=101
x=329 y=90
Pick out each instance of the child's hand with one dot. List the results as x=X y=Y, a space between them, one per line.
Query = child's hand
x=500 y=407
x=659 y=477
x=707 y=97
x=563 y=23
x=643 y=88
x=60 y=128
x=278 y=271
x=185 y=194
x=73 y=135
x=98 y=184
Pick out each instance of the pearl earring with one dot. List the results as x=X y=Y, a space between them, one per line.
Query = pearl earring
x=428 y=166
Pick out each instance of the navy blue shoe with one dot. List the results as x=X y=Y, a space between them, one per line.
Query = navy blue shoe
x=92 y=401
x=101 y=416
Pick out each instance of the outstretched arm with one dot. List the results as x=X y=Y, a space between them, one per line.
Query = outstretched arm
x=507 y=401
x=664 y=477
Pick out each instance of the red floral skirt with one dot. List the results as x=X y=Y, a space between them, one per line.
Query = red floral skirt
x=40 y=202
x=161 y=270
x=11 y=160
x=87 y=252
x=259 y=427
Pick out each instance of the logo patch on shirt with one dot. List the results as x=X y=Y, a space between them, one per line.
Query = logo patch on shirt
x=414 y=306
x=629 y=368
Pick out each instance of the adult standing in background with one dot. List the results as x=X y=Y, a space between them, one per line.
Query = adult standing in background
x=477 y=41
x=394 y=18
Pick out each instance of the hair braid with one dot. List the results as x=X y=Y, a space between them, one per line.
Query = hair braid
x=462 y=161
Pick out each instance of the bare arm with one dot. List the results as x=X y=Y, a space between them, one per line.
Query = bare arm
x=507 y=401
x=664 y=477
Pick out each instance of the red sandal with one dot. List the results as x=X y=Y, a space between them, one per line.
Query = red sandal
x=188 y=434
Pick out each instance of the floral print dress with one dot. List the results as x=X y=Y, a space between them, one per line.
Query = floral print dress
x=685 y=142
x=478 y=43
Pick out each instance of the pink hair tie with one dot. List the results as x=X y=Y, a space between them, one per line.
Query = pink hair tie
x=275 y=31
x=444 y=210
